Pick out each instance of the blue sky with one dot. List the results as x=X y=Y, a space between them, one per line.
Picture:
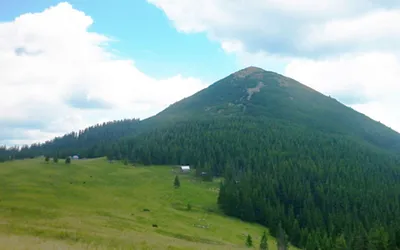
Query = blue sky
x=144 y=33
x=58 y=76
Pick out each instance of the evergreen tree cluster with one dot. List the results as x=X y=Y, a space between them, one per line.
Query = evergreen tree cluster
x=91 y=142
x=328 y=191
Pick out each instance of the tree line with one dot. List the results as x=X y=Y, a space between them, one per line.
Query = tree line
x=91 y=142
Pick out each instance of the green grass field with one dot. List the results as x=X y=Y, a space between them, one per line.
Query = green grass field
x=93 y=204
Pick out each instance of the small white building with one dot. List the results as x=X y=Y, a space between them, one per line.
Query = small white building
x=185 y=169
x=75 y=157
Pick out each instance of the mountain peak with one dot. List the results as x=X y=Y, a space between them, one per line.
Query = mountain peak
x=248 y=71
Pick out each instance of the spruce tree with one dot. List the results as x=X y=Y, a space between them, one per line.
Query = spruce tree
x=340 y=243
x=68 y=160
x=249 y=241
x=281 y=241
x=55 y=159
x=264 y=242
x=177 y=183
x=47 y=159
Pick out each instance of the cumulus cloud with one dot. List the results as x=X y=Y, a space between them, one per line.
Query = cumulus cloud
x=288 y=27
x=347 y=49
x=375 y=76
x=56 y=77
x=368 y=82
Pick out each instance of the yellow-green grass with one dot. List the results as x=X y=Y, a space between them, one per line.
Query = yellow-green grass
x=94 y=204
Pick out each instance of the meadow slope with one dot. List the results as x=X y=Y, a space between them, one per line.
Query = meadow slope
x=94 y=204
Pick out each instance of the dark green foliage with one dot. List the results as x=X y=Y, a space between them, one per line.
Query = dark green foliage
x=189 y=207
x=264 y=242
x=207 y=177
x=249 y=241
x=281 y=241
x=47 y=159
x=177 y=183
x=55 y=159
x=91 y=142
x=68 y=160
x=204 y=172
x=340 y=243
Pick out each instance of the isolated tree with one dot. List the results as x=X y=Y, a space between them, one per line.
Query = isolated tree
x=340 y=243
x=47 y=159
x=281 y=241
x=264 y=242
x=249 y=241
x=55 y=159
x=68 y=160
x=177 y=183
x=189 y=207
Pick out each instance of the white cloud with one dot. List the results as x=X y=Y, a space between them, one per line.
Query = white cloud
x=50 y=63
x=295 y=28
x=365 y=32
x=375 y=76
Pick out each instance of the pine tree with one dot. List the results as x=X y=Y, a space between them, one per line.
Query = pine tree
x=340 y=243
x=281 y=241
x=264 y=242
x=249 y=241
x=68 y=160
x=47 y=159
x=55 y=159
x=177 y=183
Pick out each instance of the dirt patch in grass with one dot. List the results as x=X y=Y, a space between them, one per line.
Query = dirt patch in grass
x=256 y=89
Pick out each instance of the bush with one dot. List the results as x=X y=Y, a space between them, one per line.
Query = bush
x=249 y=241
x=177 y=183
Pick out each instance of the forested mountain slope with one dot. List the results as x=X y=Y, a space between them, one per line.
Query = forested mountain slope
x=328 y=191
x=255 y=92
x=288 y=154
x=91 y=142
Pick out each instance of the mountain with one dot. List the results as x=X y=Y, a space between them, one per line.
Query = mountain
x=255 y=92
x=291 y=158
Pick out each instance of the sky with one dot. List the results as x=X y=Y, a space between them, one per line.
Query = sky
x=68 y=65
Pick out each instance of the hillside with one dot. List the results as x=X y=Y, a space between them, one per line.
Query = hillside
x=92 y=204
x=288 y=155
x=91 y=142
x=251 y=92
x=254 y=92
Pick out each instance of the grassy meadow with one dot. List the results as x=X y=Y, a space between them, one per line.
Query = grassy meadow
x=94 y=204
